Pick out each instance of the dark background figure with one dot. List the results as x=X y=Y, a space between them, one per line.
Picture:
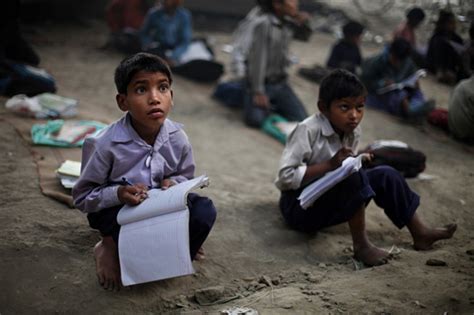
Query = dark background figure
x=445 y=50
x=394 y=65
x=124 y=19
x=167 y=32
x=12 y=44
x=345 y=53
x=267 y=60
x=17 y=56
x=406 y=30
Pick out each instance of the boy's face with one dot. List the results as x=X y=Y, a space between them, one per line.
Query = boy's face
x=345 y=114
x=172 y=4
x=286 y=7
x=149 y=99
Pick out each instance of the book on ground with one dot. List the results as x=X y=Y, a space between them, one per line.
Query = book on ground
x=69 y=173
x=315 y=190
x=154 y=235
x=409 y=82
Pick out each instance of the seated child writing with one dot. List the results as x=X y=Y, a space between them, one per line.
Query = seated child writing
x=142 y=150
x=319 y=144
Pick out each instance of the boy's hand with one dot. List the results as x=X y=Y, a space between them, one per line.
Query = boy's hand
x=132 y=195
x=340 y=156
x=167 y=183
x=301 y=17
x=367 y=158
x=261 y=100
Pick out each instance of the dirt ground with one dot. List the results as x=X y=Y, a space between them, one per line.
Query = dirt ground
x=253 y=258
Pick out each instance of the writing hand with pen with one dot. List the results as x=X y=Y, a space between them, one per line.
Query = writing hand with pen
x=344 y=153
x=132 y=195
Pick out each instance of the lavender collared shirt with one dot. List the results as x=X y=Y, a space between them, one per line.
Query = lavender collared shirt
x=118 y=153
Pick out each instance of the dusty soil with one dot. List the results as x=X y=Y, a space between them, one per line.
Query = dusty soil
x=253 y=258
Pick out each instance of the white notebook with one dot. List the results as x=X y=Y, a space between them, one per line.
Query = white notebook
x=313 y=191
x=154 y=236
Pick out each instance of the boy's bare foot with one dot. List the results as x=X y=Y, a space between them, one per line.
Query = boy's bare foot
x=107 y=264
x=200 y=254
x=371 y=255
x=427 y=237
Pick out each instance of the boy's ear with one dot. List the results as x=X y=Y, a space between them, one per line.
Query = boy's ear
x=322 y=106
x=172 y=102
x=121 y=102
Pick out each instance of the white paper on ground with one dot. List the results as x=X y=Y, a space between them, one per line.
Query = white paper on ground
x=155 y=249
x=196 y=50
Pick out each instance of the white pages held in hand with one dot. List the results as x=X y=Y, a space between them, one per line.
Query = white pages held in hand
x=408 y=82
x=313 y=191
x=154 y=235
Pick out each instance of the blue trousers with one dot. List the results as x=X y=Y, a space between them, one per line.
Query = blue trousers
x=384 y=184
x=391 y=102
x=283 y=101
x=202 y=215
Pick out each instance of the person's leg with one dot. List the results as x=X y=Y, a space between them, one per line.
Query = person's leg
x=253 y=114
x=202 y=215
x=391 y=102
x=105 y=251
x=400 y=203
x=424 y=236
x=364 y=250
x=286 y=103
x=418 y=106
x=345 y=202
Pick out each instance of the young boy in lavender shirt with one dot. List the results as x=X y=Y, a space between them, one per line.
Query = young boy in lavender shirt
x=142 y=150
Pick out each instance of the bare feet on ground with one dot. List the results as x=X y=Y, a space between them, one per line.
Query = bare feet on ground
x=371 y=255
x=429 y=236
x=107 y=264
x=200 y=254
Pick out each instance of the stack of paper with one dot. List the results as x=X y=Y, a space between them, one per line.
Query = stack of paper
x=312 y=192
x=69 y=173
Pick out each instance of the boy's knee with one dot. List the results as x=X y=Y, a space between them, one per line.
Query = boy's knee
x=386 y=173
x=203 y=212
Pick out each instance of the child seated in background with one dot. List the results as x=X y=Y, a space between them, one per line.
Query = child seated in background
x=447 y=54
x=318 y=145
x=124 y=19
x=143 y=148
x=394 y=65
x=406 y=30
x=344 y=54
x=167 y=32
x=268 y=90
x=461 y=110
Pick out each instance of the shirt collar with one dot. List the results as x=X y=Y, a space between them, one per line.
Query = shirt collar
x=124 y=131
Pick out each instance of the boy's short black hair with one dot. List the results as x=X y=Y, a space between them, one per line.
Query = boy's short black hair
x=135 y=63
x=444 y=17
x=352 y=28
x=416 y=14
x=267 y=5
x=400 y=48
x=338 y=84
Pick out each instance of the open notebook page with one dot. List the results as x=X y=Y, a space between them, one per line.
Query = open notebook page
x=160 y=202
